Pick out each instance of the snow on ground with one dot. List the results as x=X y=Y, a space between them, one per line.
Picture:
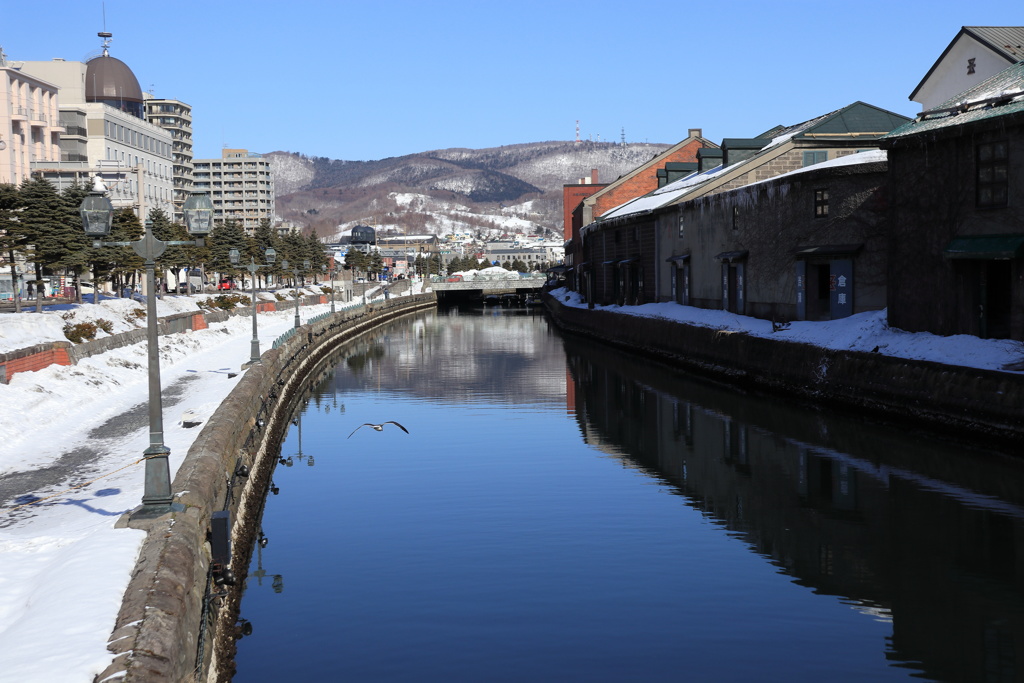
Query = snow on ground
x=861 y=332
x=63 y=566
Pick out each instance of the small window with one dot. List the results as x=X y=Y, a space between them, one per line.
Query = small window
x=992 y=173
x=735 y=218
x=811 y=158
x=821 y=203
x=680 y=225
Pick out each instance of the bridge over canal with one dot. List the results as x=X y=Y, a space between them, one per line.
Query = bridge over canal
x=482 y=287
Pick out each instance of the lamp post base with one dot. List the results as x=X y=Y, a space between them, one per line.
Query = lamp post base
x=144 y=516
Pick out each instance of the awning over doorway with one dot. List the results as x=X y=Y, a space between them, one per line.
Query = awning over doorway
x=828 y=250
x=732 y=256
x=985 y=247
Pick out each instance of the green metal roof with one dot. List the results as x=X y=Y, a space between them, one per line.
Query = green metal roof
x=857 y=118
x=1000 y=95
x=985 y=247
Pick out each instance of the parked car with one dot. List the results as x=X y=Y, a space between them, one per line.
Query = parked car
x=226 y=283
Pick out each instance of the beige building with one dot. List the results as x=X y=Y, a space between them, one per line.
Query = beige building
x=241 y=186
x=105 y=132
x=30 y=127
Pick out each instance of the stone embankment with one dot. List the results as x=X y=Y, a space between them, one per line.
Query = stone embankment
x=177 y=621
x=958 y=400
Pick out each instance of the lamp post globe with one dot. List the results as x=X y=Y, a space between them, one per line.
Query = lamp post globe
x=198 y=210
x=97 y=218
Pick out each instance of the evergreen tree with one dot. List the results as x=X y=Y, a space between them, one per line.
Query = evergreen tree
x=225 y=237
x=75 y=250
x=173 y=260
x=293 y=249
x=315 y=251
x=121 y=262
x=42 y=211
x=355 y=260
x=264 y=237
x=12 y=238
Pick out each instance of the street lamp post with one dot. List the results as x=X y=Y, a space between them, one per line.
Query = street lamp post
x=96 y=220
x=331 y=270
x=295 y=273
x=271 y=255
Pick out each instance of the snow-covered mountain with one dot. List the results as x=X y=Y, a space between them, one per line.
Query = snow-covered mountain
x=513 y=187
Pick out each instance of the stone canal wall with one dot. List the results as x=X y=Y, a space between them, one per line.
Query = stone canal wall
x=965 y=401
x=177 y=622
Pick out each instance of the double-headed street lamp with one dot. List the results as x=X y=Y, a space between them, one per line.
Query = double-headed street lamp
x=271 y=255
x=295 y=272
x=97 y=217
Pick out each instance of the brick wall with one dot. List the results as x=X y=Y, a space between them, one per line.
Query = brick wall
x=33 y=358
x=572 y=195
x=644 y=181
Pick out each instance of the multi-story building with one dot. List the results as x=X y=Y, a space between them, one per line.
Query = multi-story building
x=30 y=128
x=240 y=184
x=175 y=117
x=105 y=132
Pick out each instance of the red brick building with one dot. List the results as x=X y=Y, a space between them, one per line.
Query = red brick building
x=573 y=195
x=645 y=178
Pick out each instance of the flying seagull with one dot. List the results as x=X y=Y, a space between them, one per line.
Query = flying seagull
x=379 y=428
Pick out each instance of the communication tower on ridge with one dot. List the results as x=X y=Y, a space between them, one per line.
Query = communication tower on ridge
x=577 y=130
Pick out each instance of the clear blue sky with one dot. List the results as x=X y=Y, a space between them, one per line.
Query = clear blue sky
x=366 y=80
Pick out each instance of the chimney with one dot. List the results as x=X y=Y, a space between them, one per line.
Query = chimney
x=593 y=176
x=696 y=133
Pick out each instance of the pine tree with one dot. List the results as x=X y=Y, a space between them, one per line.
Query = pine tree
x=41 y=213
x=122 y=262
x=315 y=251
x=225 y=237
x=12 y=237
x=264 y=237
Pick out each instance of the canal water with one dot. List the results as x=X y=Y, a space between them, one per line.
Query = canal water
x=560 y=511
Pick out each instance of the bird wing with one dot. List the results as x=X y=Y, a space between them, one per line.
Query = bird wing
x=392 y=422
x=365 y=424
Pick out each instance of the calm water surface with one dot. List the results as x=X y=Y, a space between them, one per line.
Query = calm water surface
x=563 y=512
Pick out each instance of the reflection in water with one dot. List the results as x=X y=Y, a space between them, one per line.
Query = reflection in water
x=562 y=511
x=901 y=527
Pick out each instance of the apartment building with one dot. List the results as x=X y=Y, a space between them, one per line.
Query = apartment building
x=175 y=117
x=240 y=184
